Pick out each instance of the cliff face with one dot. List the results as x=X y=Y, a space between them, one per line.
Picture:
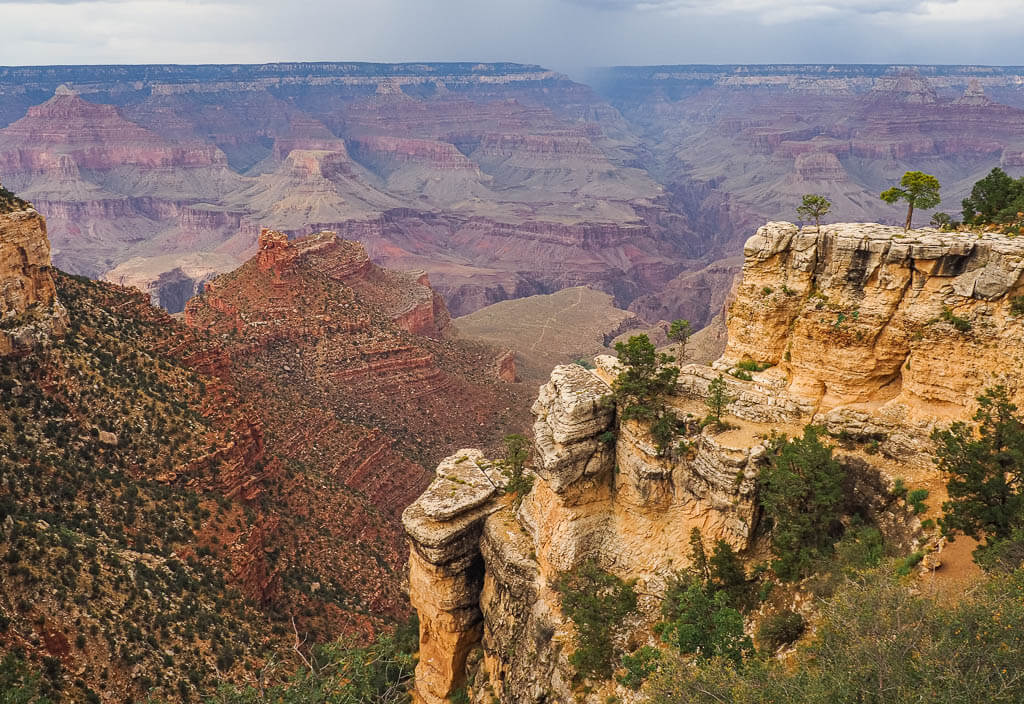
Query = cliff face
x=29 y=308
x=878 y=334
x=482 y=569
x=877 y=331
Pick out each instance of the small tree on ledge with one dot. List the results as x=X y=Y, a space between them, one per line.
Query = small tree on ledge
x=679 y=332
x=641 y=387
x=717 y=400
x=919 y=189
x=814 y=207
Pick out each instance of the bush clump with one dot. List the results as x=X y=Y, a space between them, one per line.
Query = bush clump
x=597 y=602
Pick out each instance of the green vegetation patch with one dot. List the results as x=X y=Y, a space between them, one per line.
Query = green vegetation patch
x=597 y=602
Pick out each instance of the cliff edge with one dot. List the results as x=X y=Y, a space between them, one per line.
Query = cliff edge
x=873 y=331
x=29 y=308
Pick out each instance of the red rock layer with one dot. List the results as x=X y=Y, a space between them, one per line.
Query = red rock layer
x=354 y=398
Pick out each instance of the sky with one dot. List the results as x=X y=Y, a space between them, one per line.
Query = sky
x=562 y=34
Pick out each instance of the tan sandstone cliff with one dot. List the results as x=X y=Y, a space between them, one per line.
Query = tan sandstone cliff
x=879 y=334
x=876 y=331
x=481 y=569
x=29 y=308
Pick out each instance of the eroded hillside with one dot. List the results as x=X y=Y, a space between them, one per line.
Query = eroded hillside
x=182 y=503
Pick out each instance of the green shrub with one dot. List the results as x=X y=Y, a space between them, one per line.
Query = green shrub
x=899 y=489
x=986 y=475
x=861 y=547
x=702 y=622
x=1017 y=305
x=801 y=491
x=639 y=666
x=961 y=324
x=916 y=499
x=904 y=566
x=752 y=366
x=701 y=605
x=597 y=602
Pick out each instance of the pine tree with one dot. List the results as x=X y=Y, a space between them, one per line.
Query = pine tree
x=814 y=207
x=985 y=465
x=801 y=491
x=919 y=189
x=717 y=400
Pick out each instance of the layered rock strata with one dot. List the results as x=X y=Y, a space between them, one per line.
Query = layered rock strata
x=878 y=334
x=484 y=559
x=29 y=308
x=872 y=331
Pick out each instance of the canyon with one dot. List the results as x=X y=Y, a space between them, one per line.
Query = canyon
x=241 y=469
x=876 y=334
x=499 y=180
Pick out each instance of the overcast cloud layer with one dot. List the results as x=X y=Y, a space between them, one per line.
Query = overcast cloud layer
x=565 y=34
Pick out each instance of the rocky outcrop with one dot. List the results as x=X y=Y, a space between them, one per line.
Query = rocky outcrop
x=445 y=568
x=29 y=308
x=597 y=495
x=878 y=334
x=873 y=331
x=505 y=367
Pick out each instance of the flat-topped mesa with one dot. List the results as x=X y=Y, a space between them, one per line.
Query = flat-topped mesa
x=871 y=329
x=597 y=494
x=29 y=308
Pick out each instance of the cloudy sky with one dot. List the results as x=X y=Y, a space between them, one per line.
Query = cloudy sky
x=564 y=34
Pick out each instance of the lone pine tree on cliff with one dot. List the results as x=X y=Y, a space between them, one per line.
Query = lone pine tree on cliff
x=814 y=207
x=919 y=189
x=679 y=332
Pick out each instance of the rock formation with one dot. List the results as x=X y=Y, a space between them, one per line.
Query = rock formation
x=877 y=334
x=495 y=179
x=477 y=557
x=875 y=330
x=29 y=308
x=498 y=180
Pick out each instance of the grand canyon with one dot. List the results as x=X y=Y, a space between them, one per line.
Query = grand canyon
x=499 y=180
x=358 y=382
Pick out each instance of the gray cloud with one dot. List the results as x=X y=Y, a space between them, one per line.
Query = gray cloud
x=559 y=33
x=759 y=7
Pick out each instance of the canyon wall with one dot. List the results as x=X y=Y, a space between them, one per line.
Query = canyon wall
x=29 y=308
x=878 y=334
x=498 y=180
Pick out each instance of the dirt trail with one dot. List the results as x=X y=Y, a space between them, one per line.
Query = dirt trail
x=553 y=318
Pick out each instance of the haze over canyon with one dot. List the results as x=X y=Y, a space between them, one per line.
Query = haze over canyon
x=498 y=180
